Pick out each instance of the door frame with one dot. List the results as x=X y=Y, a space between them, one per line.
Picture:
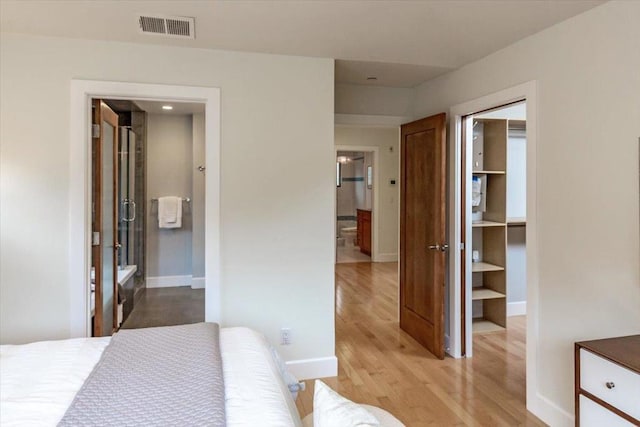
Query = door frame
x=79 y=267
x=375 y=250
x=526 y=91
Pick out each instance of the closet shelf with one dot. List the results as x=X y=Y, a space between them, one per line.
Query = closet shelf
x=488 y=172
x=487 y=224
x=479 y=267
x=485 y=293
x=516 y=221
x=484 y=325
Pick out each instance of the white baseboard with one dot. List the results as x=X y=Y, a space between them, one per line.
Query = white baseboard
x=550 y=413
x=320 y=367
x=197 y=283
x=168 y=281
x=518 y=308
x=388 y=257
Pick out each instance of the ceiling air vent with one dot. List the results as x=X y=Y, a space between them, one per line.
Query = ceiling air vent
x=168 y=26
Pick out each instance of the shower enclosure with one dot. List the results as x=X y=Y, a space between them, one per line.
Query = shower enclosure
x=131 y=196
x=126 y=193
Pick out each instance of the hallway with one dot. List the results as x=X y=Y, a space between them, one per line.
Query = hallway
x=380 y=365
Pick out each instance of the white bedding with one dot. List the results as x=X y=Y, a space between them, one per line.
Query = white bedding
x=38 y=381
x=255 y=394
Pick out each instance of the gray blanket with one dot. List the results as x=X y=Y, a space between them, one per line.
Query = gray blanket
x=168 y=376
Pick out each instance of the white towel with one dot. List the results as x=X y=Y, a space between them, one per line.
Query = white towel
x=170 y=212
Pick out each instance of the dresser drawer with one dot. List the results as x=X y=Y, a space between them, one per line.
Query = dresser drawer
x=595 y=415
x=623 y=391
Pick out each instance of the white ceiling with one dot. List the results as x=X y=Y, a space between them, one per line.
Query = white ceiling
x=414 y=40
x=155 y=107
x=387 y=74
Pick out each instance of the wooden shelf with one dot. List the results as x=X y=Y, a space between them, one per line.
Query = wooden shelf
x=516 y=221
x=487 y=224
x=485 y=293
x=490 y=231
x=479 y=267
x=488 y=172
x=482 y=325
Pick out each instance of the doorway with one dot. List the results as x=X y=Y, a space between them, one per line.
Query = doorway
x=460 y=302
x=147 y=266
x=82 y=91
x=354 y=201
x=494 y=218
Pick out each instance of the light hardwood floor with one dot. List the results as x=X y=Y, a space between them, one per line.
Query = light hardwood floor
x=380 y=365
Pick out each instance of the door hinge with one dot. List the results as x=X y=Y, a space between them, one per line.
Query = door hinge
x=95 y=131
x=462 y=246
x=95 y=238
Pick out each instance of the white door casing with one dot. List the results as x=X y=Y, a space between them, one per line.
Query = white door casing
x=80 y=187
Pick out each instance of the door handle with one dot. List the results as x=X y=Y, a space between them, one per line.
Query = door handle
x=125 y=203
x=133 y=217
x=131 y=207
x=442 y=248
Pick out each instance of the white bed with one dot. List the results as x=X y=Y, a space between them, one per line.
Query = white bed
x=38 y=381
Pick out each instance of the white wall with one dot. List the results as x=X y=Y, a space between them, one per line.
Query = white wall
x=587 y=178
x=373 y=100
x=516 y=235
x=385 y=138
x=270 y=276
x=169 y=159
x=516 y=265
x=516 y=177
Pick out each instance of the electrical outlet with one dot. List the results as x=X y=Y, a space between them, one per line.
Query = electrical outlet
x=285 y=336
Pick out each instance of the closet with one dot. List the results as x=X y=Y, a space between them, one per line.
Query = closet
x=491 y=215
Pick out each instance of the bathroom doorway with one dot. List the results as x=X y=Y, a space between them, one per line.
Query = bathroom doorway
x=354 y=201
x=80 y=213
x=147 y=263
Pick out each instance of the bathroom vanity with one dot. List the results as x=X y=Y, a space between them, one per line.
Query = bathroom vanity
x=363 y=239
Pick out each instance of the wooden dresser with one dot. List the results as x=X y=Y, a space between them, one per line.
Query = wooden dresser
x=607 y=382
x=363 y=239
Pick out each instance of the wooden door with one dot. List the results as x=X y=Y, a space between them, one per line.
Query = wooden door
x=104 y=254
x=422 y=231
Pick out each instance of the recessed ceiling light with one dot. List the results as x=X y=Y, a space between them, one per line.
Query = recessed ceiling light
x=167 y=107
x=372 y=78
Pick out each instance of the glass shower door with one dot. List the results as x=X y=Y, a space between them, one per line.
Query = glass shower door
x=127 y=194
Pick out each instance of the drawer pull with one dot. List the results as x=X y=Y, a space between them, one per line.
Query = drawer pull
x=610 y=384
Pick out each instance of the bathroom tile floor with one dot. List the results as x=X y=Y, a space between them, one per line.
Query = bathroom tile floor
x=167 y=307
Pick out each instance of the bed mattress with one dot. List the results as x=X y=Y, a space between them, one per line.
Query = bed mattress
x=38 y=381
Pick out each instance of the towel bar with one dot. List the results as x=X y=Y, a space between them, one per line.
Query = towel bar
x=184 y=199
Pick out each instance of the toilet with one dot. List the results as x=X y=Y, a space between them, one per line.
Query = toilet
x=349 y=235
